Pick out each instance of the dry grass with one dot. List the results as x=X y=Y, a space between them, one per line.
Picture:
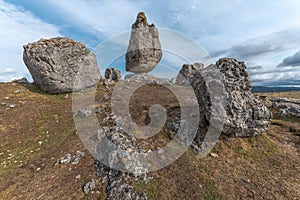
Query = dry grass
x=292 y=94
x=39 y=118
x=265 y=167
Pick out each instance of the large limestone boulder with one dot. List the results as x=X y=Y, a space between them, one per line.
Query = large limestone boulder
x=56 y=63
x=144 y=50
x=246 y=115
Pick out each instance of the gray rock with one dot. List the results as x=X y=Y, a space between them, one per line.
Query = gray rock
x=286 y=107
x=69 y=159
x=13 y=105
x=286 y=100
x=112 y=74
x=89 y=186
x=82 y=112
x=144 y=50
x=18 y=91
x=21 y=81
x=77 y=157
x=65 y=159
x=147 y=79
x=124 y=192
x=56 y=63
x=188 y=74
x=117 y=182
x=246 y=115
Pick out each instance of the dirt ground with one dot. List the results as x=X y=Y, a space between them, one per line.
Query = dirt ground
x=39 y=130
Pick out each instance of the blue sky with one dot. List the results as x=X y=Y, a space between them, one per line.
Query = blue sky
x=265 y=34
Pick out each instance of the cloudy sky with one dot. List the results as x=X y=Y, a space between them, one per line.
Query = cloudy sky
x=264 y=34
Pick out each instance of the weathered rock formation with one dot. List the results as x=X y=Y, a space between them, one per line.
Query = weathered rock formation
x=246 y=115
x=144 y=50
x=112 y=74
x=56 y=63
x=118 y=186
x=21 y=81
x=147 y=79
x=286 y=107
x=118 y=183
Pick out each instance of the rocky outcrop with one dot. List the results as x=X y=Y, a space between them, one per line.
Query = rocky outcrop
x=118 y=183
x=116 y=166
x=144 y=50
x=246 y=115
x=21 y=81
x=118 y=186
x=56 y=63
x=286 y=100
x=286 y=107
x=147 y=79
x=112 y=74
x=70 y=159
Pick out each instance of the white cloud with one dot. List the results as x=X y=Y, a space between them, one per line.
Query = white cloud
x=103 y=18
x=253 y=29
x=8 y=71
x=217 y=25
x=293 y=60
x=264 y=45
x=280 y=77
x=19 y=27
x=220 y=25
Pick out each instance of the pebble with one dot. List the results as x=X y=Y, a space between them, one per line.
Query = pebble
x=89 y=186
x=214 y=155
x=12 y=105
x=78 y=176
x=65 y=159
x=18 y=91
x=77 y=157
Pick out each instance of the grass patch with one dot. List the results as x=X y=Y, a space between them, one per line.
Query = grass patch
x=289 y=125
x=150 y=189
x=210 y=192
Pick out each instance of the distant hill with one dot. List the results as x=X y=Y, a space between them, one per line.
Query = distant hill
x=260 y=89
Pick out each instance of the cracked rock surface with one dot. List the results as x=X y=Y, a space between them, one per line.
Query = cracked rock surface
x=246 y=116
x=57 y=62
